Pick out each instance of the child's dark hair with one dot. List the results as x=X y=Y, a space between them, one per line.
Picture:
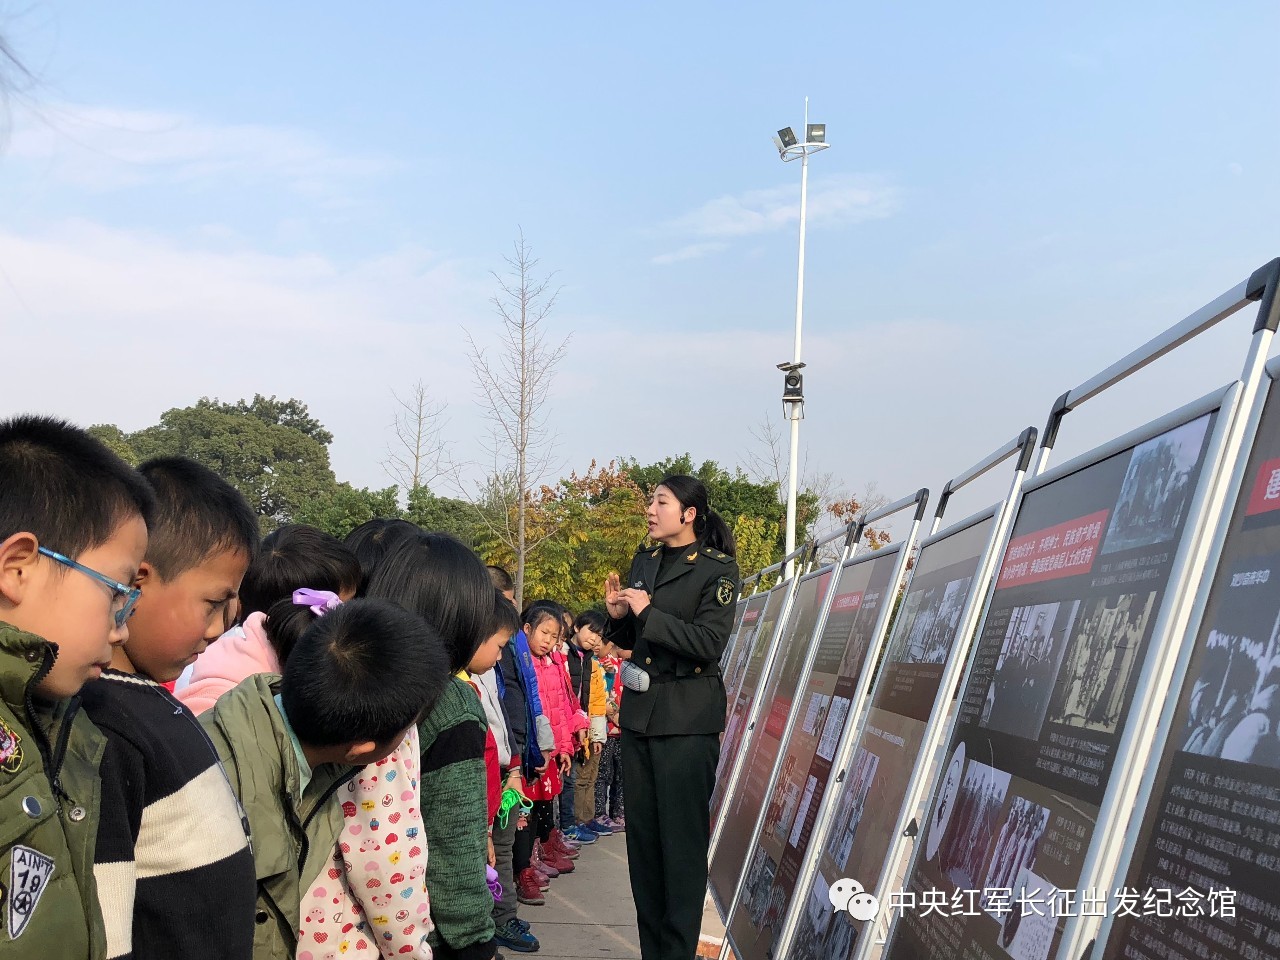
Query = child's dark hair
x=64 y=486
x=708 y=526
x=593 y=619
x=541 y=610
x=365 y=671
x=505 y=618
x=295 y=556
x=502 y=581
x=438 y=577
x=197 y=515
x=371 y=541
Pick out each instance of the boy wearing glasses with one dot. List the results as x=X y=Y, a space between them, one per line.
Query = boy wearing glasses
x=174 y=868
x=73 y=531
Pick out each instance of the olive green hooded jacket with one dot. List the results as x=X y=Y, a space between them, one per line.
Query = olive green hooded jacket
x=294 y=831
x=49 y=801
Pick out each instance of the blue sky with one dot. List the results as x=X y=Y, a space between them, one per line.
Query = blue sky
x=306 y=199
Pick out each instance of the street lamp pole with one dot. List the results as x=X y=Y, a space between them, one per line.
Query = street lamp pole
x=789 y=149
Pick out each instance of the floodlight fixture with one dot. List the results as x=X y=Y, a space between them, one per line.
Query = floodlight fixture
x=815 y=133
x=788 y=137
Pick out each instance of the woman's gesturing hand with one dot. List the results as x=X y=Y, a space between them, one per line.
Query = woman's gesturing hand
x=635 y=600
x=613 y=601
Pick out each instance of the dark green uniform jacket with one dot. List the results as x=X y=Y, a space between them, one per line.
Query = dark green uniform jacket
x=678 y=640
x=295 y=830
x=49 y=803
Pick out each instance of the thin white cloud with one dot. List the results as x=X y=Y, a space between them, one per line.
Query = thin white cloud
x=833 y=201
x=102 y=149
x=691 y=252
x=118 y=326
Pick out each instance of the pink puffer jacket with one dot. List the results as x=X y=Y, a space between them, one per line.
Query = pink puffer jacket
x=558 y=702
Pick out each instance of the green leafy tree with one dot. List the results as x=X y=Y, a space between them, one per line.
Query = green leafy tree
x=346 y=507
x=444 y=514
x=280 y=469
x=757 y=540
x=116 y=440
x=594 y=522
x=280 y=413
x=733 y=494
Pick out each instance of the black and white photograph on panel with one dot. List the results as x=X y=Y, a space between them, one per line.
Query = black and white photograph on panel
x=839 y=938
x=1016 y=845
x=1235 y=699
x=945 y=808
x=786 y=797
x=1157 y=489
x=802 y=813
x=1099 y=665
x=962 y=856
x=1026 y=932
x=1034 y=644
x=812 y=928
x=759 y=883
x=862 y=773
x=929 y=624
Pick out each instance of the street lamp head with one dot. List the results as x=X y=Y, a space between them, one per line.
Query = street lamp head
x=815 y=133
x=788 y=137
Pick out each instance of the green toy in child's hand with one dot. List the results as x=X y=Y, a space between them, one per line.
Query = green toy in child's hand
x=512 y=798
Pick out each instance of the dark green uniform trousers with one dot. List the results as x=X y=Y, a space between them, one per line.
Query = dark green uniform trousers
x=669 y=782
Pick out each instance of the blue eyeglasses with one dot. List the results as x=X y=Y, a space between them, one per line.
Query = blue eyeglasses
x=123 y=599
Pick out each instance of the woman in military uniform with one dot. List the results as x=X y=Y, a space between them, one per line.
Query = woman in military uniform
x=674 y=613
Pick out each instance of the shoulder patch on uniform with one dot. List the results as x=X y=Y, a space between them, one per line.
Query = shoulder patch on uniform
x=29 y=873
x=716 y=554
x=10 y=748
x=725 y=589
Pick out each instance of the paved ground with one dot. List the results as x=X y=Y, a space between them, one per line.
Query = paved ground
x=589 y=914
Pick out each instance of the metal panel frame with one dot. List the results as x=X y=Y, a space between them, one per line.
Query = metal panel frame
x=1101 y=859
x=805 y=669
x=1109 y=860
x=766 y=670
x=857 y=709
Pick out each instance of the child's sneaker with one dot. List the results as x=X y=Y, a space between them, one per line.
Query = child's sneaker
x=512 y=937
x=558 y=844
x=584 y=837
x=538 y=860
x=619 y=824
x=527 y=889
x=600 y=827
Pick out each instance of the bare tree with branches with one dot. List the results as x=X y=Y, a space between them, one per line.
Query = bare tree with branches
x=417 y=456
x=514 y=386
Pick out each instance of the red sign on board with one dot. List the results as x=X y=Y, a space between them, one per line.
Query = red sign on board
x=1063 y=550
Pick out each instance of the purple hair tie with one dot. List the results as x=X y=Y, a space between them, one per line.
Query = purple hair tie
x=320 y=601
x=491 y=877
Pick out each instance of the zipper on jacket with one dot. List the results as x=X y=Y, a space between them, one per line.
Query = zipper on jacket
x=324 y=799
x=180 y=709
x=52 y=757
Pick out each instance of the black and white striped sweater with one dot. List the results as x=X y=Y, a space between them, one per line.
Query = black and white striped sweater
x=173 y=865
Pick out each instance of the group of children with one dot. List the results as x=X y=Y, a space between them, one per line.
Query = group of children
x=213 y=745
x=553 y=710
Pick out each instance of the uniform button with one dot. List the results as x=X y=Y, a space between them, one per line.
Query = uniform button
x=697 y=669
x=31 y=807
x=648 y=659
x=33 y=656
x=261 y=917
x=77 y=814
